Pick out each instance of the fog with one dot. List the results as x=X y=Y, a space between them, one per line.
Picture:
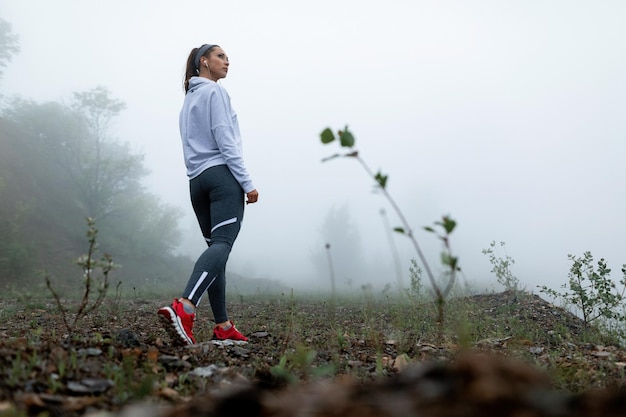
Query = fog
x=508 y=116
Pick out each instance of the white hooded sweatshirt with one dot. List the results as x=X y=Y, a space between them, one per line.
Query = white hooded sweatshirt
x=210 y=132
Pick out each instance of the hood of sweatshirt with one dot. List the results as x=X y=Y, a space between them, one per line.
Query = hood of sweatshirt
x=196 y=81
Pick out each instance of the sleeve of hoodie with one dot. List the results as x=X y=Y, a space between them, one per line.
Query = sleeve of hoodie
x=226 y=133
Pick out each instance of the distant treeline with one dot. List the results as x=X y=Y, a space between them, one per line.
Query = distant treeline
x=59 y=165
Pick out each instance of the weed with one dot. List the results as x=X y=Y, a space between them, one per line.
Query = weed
x=332 y=273
x=281 y=371
x=61 y=368
x=591 y=291
x=73 y=360
x=54 y=384
x=116 y=305
x=347 y=140
x=501 y=267
x=342 y=342
x=299 y=365
x=290 y=328
x=415 y=275
x=34 y=336
x=17 y=371
x=88 y=264
x=127 y=385
x=379 y=364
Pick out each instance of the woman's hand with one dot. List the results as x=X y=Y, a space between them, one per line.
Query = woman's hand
x=252 y=197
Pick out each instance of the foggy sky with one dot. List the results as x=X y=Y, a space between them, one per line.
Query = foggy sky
x=509 y=116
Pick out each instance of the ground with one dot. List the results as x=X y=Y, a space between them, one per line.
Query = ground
x=119 y=355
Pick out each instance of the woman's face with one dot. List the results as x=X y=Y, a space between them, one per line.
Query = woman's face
x=218 y=64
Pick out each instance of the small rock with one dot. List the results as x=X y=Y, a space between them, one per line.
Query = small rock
x=240 y=352
x=174 y=362
x=169 y=394
x=205 y=371
x=401 y=362
x=89 y=386
x=491 y=341
x=89 y=352
x=8 y=407
x=168 y=358
x=127 y=338
x=228 y=342
x=136 y=410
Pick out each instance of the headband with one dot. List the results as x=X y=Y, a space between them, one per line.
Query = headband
x=201 y=51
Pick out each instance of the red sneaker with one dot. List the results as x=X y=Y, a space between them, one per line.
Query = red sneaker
x=232 y=333
x=178 y=323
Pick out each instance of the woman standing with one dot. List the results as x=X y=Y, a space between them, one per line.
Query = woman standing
x=218 y=181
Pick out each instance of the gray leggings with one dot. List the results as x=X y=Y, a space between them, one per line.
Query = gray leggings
x=218 y=201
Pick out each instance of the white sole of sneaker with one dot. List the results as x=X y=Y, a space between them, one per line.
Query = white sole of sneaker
x=174 y=326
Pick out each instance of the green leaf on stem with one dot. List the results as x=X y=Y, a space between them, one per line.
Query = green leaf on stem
x=346 y=137
x=327 y=136
x=449 y=260
x=448 y=224
x=381 y=179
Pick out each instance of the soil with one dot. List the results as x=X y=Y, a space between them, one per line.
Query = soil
x=119 y=356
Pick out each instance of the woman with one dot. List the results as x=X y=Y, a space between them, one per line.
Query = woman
x=218 y=181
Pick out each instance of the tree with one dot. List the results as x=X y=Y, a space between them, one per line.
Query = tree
x=104 y=168
x=9 y=45
x=34 y=205
x=62 y=163
x=14 y=254
x=340 y=232
x=77 y=138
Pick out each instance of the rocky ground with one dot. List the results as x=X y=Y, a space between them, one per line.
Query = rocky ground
x=118 y=361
